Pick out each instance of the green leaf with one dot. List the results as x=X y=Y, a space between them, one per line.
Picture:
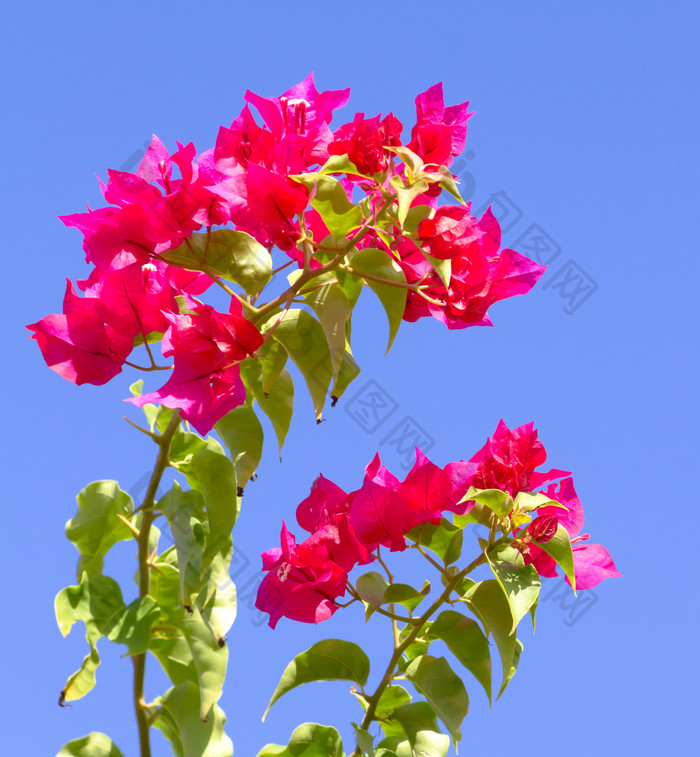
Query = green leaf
x=235 y=255
x=390 y=699
x=489 y=603
x=96 y=527
x=277 y=402
x=303 y=338
x=217 y=602
x=443 y=689
x=83 y=680
x=499 y=502
x=365 y=740
x=184 y=511
x=443 y=268
x=467 y=643
x=333 y=311
x=514 y=664
x=210 y=472
x=420 y=726
x=349 y=370
x=528 y=501
x=338 y=164
x=444 y=539
x=330 y=199
x=308 y=740
x=189 y=735
x=521 y=583
x=406 y=195
x=328 y=660
x=371 y=587
x=93 y=745
x=96 y=601
x=272 y=358
x=210 y=659
x=243 y=435
x=406 y=595
x=559 y=548
x=371 y=262
x=133 y=626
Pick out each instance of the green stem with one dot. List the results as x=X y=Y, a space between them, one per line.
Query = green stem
x=147 y=518
x=312 y=273
x=399 y=649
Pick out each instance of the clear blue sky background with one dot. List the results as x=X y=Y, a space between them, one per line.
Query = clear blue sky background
x=586 y=118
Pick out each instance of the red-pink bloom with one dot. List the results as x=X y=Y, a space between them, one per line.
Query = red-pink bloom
x=325 y=500
x=114 y=237
x=384 y=509
x=449 y=232
x=440 y=133
x=79 y=344
x=508 y=460
x=206 y=346
x=480 y=277
x=365 y=141
x=302 y=580
x=592 y=562
x=300 y=110
x=263 y=203
x=135 y=298
x=147 y=218
x=244 y=142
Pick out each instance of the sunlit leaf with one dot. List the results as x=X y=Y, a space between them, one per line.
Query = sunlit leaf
x=303 y=338
x=189 y=735
x=93 y=745
x=243 y=435
x=96 y=527
x=467 y=643
x=443 y=689
x=328 y=660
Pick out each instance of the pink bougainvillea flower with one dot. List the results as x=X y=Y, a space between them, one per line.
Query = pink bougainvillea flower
x=325 y=500
x=302 y=583
x=440 y=133
x=460 y=475
x=300 y=109
x=449 y=232
x=480 y=276
x=592 y=562
x=377 y=510
x=78 y=344
x=263 y=203
x=508 y=459
x=206 y=346
x=244 y=142
x=424 y=492
x=114 y=237
x=364 y=141
x=135 y=298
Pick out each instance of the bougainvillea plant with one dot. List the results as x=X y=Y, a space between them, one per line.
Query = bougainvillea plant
x=362 y=206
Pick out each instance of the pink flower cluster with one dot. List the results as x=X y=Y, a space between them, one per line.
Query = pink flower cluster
x=246 y=180
x=304 y=580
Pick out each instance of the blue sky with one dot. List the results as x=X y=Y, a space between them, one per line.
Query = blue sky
x=586 y=133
